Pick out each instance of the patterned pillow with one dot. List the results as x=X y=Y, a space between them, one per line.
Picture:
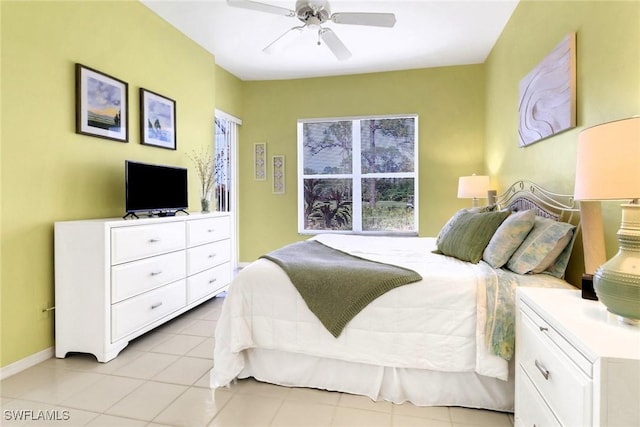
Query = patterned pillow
x=508 y=237
x=559 y=266
x=469 y=233
x=544 y=244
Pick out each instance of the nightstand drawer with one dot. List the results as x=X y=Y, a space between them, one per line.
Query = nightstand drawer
x=136 y=277
x=562 y=384
x=534 y=411
x=131 y=243
x=206 y=256
x=132 y=314
x=208 y=230
x=572 y=353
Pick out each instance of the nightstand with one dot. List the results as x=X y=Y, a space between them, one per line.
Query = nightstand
x=576 y=364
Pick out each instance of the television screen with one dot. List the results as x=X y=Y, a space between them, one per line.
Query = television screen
x=155 y=188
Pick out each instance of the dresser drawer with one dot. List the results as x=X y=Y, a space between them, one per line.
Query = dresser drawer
x=136 y=277
x=207 y=256
x=562 y=384
x=208 y=281
x=131 y=243
x=208 y=230
x=134 y=313
x=531 y=410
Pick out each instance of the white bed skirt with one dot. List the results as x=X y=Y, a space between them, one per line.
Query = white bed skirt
x=397 y=385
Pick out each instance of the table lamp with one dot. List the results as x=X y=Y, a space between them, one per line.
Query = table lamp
x=608 y=168
x=473 y=187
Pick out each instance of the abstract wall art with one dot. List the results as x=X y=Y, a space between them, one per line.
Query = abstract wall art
x=547 y=101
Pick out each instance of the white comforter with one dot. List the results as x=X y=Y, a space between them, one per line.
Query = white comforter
x=436 y=324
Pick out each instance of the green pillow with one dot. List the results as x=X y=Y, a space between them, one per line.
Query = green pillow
x=469 y=233
x=508 y=237
x=445 y=229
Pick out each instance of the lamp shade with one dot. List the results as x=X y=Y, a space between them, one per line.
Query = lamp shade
x=473 y=187
x=608 y=161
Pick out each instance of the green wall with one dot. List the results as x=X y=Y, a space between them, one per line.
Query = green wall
x=228 y=92
x=450 y=105
x=608 y=87
x=467 y=118
x=49 y=172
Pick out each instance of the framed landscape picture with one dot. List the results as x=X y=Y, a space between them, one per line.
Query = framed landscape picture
x=157 y=120
x=101 y=105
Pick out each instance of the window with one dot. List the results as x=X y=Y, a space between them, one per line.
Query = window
x=358 y=175
x=224 y=148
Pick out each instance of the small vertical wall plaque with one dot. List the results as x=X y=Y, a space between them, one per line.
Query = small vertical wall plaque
x=278 y=174
x=548 y=95
x=260 y=161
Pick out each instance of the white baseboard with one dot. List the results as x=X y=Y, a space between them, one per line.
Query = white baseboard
x=26 y=363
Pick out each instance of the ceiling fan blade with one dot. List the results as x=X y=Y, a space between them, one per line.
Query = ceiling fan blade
x=278 y=44
x=261 y=7
x=372 y=19
x=334 y=44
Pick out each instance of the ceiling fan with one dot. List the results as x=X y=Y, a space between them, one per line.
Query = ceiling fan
x=314 y=13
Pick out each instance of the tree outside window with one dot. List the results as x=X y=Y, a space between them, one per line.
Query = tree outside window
x=358 y=175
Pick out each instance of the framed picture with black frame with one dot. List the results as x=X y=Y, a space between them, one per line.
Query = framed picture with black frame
x=101 y=105
x=157 y=120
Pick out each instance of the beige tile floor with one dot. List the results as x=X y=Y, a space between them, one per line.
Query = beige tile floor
x=161 y=379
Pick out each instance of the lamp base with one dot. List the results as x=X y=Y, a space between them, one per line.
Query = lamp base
x=632 y=322
x=620 y=320
x=617 y=282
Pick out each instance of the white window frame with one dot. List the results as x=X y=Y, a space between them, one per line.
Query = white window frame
x=356 y=175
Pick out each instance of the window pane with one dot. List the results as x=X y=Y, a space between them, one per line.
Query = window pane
x=328 y=204
x=387 y=204
x=327 y=147
x=388 y=145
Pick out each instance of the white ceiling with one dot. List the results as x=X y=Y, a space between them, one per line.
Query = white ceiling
x=428 y=33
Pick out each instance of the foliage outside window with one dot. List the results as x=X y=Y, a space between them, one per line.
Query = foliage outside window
x=358 y=175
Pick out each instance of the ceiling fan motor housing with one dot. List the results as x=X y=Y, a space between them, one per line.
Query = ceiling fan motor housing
x=314 y=10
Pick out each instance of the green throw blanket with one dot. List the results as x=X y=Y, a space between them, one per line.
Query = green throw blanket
x=336 y=285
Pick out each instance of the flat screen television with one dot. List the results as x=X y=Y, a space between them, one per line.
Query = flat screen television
x=155 y=189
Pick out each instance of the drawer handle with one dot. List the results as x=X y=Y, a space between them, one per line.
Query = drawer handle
x=213 y=280
x=156 y=305
x=213 y=255
x=543 y=328
x=156 y=273
x=542 y=370
x=211 y=230
x=154 y=240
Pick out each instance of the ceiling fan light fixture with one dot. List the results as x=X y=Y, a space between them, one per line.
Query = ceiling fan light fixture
x=313 y=13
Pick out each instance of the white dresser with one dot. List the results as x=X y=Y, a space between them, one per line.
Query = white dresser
x=117 y=279
x=576 y=365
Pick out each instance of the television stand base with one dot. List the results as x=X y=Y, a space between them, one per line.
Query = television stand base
x=160 y=214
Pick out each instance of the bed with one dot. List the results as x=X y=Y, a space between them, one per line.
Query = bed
x=445 y=339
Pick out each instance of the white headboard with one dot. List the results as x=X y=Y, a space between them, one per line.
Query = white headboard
x=523 y=195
